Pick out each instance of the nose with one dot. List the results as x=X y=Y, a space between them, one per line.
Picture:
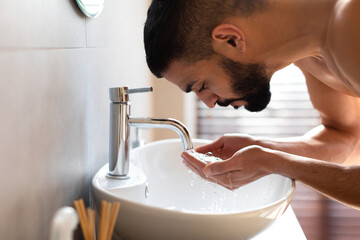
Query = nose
x=208 y=98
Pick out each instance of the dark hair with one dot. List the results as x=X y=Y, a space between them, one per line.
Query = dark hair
x=181 y=29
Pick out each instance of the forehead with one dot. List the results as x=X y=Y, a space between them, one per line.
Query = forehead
x=179 y=73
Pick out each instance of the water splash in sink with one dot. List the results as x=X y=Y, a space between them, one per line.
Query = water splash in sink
x=213 y=194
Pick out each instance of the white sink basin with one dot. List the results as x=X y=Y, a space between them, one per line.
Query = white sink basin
x=164 y=200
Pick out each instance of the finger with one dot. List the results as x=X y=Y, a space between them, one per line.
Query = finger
x=238 y=179
x=213 y=147
x=225 y=180
x=197 y=171
x=222 y=167
x=194 y=161
x=242 y=178
x=193 y=168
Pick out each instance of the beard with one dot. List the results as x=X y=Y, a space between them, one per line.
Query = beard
x=247 y=80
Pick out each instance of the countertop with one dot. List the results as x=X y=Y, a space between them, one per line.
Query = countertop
x=284 y=228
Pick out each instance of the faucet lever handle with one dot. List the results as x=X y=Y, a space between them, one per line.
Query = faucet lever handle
x=120 y=94
x=139 y=90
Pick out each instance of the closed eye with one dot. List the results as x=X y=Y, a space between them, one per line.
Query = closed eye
x=202 y=88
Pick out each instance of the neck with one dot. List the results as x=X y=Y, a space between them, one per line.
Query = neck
x=288 y=31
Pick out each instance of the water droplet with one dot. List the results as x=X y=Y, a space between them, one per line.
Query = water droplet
x=147 y=190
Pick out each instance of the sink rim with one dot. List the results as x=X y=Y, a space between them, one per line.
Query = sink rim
x=103 y=171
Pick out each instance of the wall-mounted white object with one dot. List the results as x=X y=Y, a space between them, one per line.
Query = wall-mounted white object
x=63 y=224
x=91 y=8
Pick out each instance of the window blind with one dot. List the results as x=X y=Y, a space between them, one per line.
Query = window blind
x=290 y=113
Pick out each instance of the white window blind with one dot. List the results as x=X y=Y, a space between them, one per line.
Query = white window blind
x=290 y=113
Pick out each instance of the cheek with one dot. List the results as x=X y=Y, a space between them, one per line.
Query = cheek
x=226 y=92
x=221 y=87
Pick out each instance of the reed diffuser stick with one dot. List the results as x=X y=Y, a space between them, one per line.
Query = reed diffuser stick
x=80 y=208
x=101 y=233
x=91 y=216
x=114 y=213
x=108 y=216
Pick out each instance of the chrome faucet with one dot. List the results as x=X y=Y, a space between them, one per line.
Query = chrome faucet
x=120 y=122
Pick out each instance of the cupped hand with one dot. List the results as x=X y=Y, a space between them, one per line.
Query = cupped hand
x=245 y=166
x=227 y=145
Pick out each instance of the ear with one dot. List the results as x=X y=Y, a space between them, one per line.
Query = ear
x=228 y=37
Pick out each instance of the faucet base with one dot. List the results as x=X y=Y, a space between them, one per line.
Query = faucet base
x=119 y=177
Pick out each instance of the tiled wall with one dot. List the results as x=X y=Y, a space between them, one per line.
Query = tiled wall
x=55 y=70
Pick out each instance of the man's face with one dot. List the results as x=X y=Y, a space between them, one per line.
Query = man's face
x=222 y=81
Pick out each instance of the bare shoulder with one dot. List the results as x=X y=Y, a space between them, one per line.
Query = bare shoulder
x=343 y=42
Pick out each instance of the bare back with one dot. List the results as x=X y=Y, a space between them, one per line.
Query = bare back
x=333 y=79
x=339 y=64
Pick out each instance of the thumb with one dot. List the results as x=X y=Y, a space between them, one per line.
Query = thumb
x=211 y=147
x=218 y=168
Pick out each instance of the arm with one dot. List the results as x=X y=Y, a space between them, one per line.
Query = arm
x=336 y=181
x=253 y=162
x=337 y=139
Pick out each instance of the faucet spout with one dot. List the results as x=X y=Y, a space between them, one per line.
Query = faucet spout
x=167 y=123
x=120 y=123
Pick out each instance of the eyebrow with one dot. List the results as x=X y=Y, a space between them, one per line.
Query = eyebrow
x=189 y=87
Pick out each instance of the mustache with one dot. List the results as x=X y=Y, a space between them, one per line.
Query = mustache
x=227 y=102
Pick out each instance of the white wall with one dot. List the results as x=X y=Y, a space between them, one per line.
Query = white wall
x=55 y=70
